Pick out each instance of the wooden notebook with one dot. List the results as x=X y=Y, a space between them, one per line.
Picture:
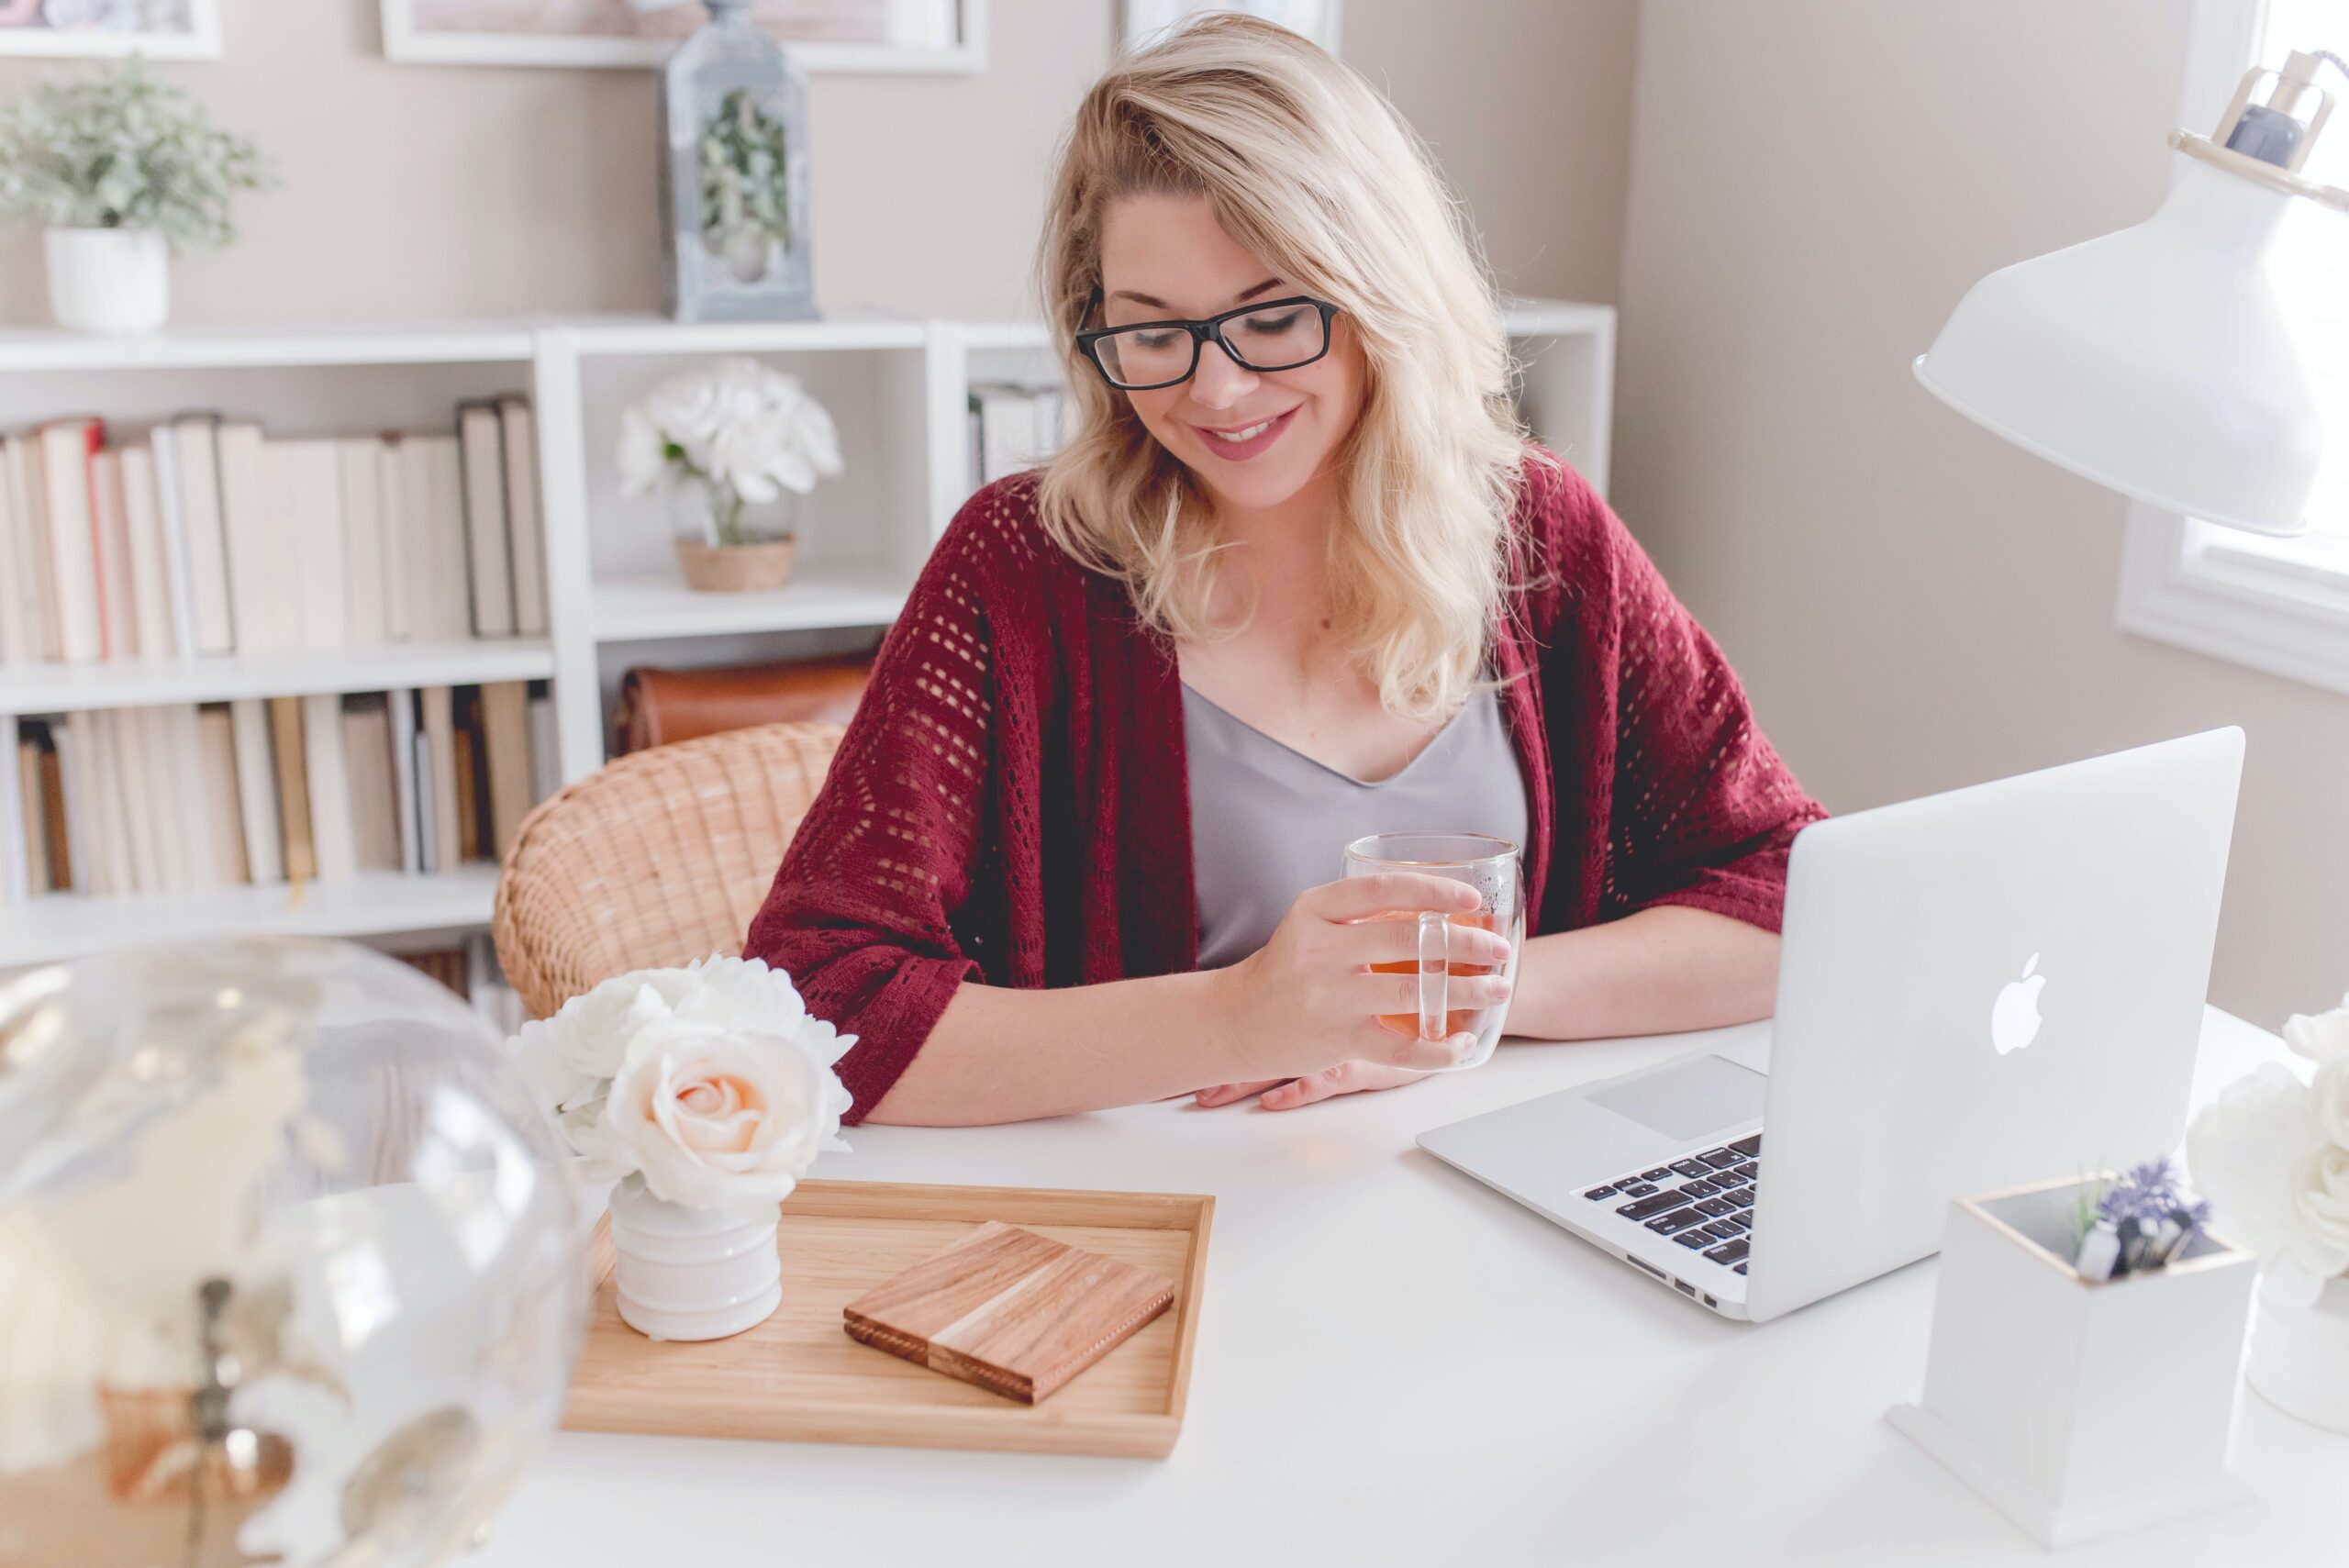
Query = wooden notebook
x=1008 y=1309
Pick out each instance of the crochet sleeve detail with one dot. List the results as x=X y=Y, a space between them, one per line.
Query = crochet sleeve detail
x=870 y=911
x=1703 y=811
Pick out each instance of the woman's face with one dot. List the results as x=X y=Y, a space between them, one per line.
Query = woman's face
x=1255 y=439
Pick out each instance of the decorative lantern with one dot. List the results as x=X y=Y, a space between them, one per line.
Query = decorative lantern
x=734 y=174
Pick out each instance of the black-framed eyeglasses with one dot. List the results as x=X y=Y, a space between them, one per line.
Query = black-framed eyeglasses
x=1276 y=335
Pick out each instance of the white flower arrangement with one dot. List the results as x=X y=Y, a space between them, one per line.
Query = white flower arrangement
x=2272 y=1154
x=712 y=1081
x=745 y=430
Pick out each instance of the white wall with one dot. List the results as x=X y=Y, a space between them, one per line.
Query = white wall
x=432 y=190
x=1915 y=604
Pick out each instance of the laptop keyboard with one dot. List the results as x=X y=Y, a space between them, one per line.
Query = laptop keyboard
x=1705 y=1202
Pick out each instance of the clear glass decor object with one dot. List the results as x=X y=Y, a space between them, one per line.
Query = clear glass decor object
x=290 y=1265
x=734 y=174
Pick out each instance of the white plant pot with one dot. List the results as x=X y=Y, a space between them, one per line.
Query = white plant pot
x=692 y=1274
x=2299 y=1353
x=2079 y=1409
x=108 y=280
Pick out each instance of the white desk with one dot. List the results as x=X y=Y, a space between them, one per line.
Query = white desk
x=1396 y=1364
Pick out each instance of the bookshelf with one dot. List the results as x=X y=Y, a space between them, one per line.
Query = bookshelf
x=897 y=387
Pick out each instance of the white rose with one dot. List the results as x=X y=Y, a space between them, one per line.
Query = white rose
x=579 y=1049
x=570 y=1060
x=2331 y=1093
x=2259 y=1154
x=813 y=432
x=643 y=456
x=688 y=409
x=720 y=1120
x=759 y=459
x=2323 y=1192
x=2323 y=1037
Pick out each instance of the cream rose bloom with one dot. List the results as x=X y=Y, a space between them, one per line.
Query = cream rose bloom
x=2330 y=1092
x=712 y=1080
x=643 y=455
x=718 y=1119
x=2321 y=1037
x=738 y=422
x=2276 y=1182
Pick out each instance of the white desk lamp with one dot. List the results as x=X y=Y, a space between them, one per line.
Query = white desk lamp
x=2157 y=361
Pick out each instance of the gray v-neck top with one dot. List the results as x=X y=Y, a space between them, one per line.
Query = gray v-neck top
x=1267 y=822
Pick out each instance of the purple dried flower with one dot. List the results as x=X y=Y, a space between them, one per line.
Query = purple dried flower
x=2149 y=1192
x=2155 y=1218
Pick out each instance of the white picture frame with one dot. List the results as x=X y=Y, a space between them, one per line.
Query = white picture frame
x=1315 y=20
x=200 y=40
x=408 y=39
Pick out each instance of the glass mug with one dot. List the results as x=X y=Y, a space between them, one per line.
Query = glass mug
x=1486 y=863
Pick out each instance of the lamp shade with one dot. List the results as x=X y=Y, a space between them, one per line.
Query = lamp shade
x=2156 y=361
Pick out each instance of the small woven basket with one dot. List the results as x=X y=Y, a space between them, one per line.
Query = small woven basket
x=758 y=568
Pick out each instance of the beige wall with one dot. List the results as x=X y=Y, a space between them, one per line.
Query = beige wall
x=1915 y=604
x=416 y=192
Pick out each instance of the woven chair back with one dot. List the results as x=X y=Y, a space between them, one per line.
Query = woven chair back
x=659 y=857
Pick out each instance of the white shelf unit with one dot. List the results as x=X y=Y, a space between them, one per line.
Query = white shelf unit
x=370 y=905
x=897 y=388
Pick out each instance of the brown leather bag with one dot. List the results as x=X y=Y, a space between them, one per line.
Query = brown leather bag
x=658 y=707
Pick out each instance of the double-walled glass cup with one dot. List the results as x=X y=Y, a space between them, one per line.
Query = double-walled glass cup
x=1488 y=865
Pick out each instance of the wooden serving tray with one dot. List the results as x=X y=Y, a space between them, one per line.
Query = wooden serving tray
x=799 y=1377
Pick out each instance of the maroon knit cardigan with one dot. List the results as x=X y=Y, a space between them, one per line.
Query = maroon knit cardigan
x=1012 y=806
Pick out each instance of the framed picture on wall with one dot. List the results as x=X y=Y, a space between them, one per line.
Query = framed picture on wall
x=1315 y=20
x=159 y=30
x=875 y=35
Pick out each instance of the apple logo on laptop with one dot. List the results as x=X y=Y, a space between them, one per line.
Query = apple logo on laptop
x=2014 y=1019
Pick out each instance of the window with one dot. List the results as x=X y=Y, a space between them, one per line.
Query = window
x=2277 y=604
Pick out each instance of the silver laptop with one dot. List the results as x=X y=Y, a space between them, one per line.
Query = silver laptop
x=1997 y=985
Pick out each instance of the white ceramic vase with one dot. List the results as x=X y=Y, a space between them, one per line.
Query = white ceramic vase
x=108 y=280
x=2299 y=1353
x=692 y=1274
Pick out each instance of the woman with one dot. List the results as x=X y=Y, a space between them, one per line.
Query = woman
x=1298 y=567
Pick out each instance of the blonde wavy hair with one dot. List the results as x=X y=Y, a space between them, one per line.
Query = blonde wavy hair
x=1308 y=166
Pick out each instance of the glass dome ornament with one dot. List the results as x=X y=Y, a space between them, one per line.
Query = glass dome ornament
x=734 y=174
x=290 y=1265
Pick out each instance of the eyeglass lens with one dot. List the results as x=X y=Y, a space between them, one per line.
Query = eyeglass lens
x=1275 y=338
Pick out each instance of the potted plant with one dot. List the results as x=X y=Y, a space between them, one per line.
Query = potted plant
x=2086 y=1341
x=745 y=206
x=123 y=170
x=705 y=1092
x=2274 y=1148
x=733 y=445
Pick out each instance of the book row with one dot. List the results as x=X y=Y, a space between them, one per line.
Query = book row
x=187 y=797
x=1014 y=427
x=204 y=536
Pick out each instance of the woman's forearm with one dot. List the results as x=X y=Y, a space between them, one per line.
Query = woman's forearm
x=1000 y=1054
x=1657 y=972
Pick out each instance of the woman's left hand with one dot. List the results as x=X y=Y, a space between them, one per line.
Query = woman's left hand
x=1288 y=1093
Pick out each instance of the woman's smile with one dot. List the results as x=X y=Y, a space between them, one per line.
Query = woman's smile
x=1238 y=444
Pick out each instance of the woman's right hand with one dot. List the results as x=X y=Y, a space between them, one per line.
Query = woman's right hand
x=1307 y=998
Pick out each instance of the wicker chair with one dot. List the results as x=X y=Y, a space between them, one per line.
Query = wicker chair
x=659 y=857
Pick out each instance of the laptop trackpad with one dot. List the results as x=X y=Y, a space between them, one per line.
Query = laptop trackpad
x=1684 y=1102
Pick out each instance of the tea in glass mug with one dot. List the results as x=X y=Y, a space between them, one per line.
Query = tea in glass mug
x=1489 y=865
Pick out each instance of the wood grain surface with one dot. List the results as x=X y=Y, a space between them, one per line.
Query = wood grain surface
x=796 y=1377
x=1017 y=1313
